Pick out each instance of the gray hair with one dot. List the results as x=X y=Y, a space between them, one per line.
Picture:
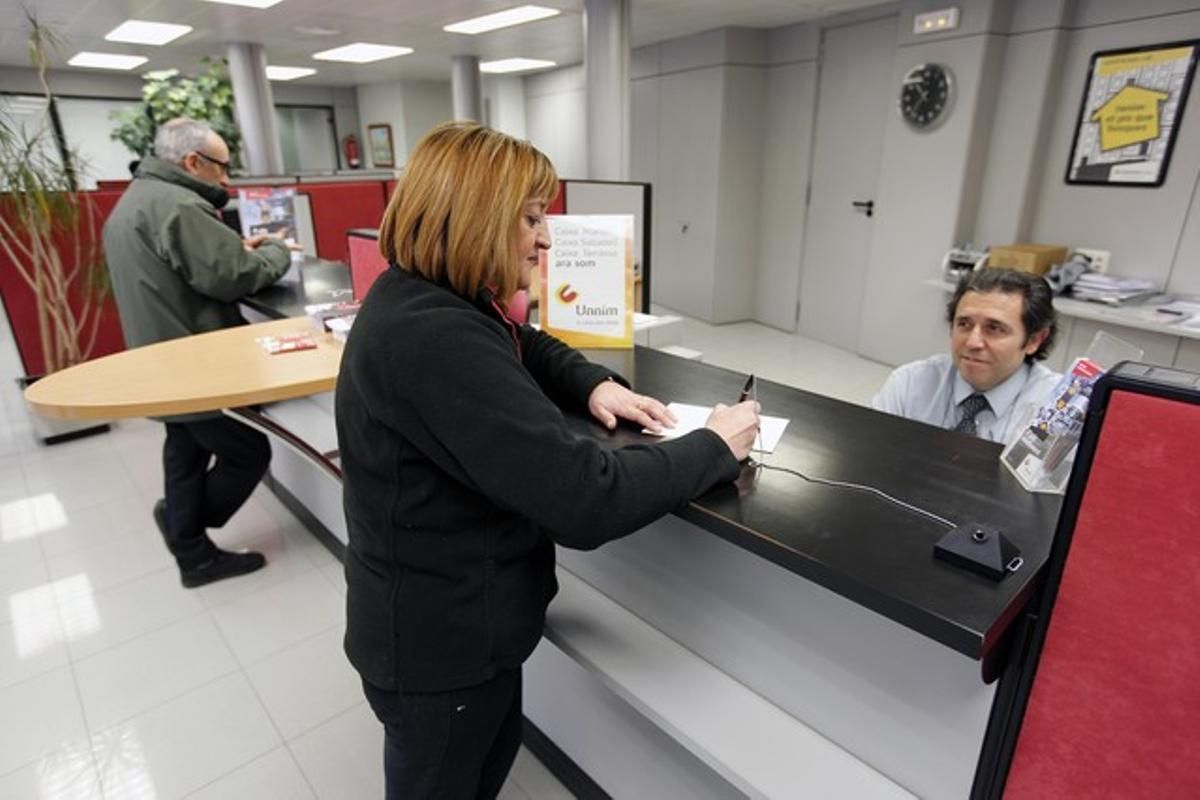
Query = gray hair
x=180 y=136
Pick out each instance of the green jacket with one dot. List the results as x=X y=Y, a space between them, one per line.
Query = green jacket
x=176 y=269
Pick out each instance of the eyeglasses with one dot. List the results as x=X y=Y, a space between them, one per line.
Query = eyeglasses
x=224 y=165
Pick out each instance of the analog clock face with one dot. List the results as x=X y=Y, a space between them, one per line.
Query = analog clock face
x=925 y=95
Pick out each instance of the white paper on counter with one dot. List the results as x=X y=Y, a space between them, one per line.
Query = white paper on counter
x=692 y=417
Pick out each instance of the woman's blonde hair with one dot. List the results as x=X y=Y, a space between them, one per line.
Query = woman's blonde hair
x=454 y=215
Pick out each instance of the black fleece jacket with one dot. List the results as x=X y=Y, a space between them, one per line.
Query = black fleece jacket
x=461 y=474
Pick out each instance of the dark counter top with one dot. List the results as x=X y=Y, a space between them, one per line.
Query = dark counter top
x=319 y=281
x=856 y=545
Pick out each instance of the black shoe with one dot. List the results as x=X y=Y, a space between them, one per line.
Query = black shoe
x=223 y=565
x=160 y=517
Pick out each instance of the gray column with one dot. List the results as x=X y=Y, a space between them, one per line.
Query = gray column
x=465 y=88
x=255 y=106
x=606 y=62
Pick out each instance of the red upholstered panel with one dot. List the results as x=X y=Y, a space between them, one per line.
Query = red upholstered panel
x=338 y=207
x=22 y=313
x=1115 y=706
x=389 y=188
x=366 y=264
x=559 y=204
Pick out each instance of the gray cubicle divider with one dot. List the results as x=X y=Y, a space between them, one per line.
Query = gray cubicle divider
x=618 y=197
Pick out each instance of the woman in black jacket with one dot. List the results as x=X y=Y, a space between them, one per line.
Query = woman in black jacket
x=460 y=471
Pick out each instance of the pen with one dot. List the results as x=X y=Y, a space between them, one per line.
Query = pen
x=747 y=390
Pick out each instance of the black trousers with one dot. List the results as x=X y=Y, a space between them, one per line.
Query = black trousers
x=209 y=469
x=450 y=745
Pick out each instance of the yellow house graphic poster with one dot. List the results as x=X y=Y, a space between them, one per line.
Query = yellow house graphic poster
x=1131 y=109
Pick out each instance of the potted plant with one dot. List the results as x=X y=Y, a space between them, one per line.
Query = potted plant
x=50 y=239
x=207 y=97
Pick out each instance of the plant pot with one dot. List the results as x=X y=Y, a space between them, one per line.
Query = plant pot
x=55 y=431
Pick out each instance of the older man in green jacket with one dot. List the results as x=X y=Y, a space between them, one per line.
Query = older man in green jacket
x=178 y=270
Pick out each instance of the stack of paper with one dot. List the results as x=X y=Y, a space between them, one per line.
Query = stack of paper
x=1110 y=289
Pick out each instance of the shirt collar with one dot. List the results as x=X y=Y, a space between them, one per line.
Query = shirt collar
x=1000 y=396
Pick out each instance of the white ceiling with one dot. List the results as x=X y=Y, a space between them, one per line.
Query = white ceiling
x=412 y=23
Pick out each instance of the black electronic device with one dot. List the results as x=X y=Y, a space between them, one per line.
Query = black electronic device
x=980 y=549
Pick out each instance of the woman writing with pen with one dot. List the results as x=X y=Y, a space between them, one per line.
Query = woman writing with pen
x=461 y=474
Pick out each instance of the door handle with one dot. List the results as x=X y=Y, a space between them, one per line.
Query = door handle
x=864 y=205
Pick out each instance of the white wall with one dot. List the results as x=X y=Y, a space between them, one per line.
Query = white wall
x=504 y=104
x=410 y=107
x=555 y=118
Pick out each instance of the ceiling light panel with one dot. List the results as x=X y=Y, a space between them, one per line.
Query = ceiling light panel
x=502 y=19
x=514 y=65
x=139 y=31
x=362 y=53
x=289 y=73
x=248 y=3
x=106 y=61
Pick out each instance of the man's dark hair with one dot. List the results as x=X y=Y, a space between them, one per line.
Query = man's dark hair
x=1037 y=310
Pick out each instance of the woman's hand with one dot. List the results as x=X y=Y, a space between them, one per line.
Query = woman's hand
x=737 y=425
x=611 y=401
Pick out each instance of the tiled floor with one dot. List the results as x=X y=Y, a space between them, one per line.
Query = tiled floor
x=115 y=682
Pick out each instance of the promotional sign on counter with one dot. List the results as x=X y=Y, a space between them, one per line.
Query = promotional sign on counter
x=586 y=287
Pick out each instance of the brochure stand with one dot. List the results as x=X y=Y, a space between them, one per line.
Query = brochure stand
x=1041 y=457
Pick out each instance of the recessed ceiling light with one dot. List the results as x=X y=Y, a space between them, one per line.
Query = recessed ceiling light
x=139 y=31
x=514 y=65
x=106 y=61
x=316 y=30
x=248 y=3
x=362 y=53
x=502 y=19
x=289 y=73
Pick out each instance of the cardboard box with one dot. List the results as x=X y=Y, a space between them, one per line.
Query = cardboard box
x=1035 y=258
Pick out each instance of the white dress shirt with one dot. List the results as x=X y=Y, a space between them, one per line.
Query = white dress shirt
x=930 y=390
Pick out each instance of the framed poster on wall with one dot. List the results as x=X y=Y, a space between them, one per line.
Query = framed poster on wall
x=1130 y=114
x=379 y=140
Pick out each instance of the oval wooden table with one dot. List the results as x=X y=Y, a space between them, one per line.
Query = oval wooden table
x=225 y=370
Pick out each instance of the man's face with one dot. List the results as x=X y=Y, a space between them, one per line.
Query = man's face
x=209 y=162
x=987 y=338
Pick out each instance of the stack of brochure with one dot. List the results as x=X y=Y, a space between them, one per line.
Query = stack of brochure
x=340 y=327
x=1110 y=289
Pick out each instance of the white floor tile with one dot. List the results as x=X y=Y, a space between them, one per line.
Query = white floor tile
x=186 y=744
x=336 y=575
x=26 y=653
x=275 y=776
x=343 y=757
x=141 y=674
x=278 y=616
x=112 y=563
x=535 y=780
x=67 y=530
x=24 y=580
x=39 y=716
x=67 y=774
x=97 y=620
x=308 y=683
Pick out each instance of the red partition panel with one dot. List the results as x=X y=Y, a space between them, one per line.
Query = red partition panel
x=1114 y=708
x=366 y=263
x=389 y=188
x=338 y=207
x=22 y=312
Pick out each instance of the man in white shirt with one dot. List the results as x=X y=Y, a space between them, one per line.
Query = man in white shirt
x=1001 y=323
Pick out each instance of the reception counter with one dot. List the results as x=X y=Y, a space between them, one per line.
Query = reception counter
x=823 y=605
x=775 y=637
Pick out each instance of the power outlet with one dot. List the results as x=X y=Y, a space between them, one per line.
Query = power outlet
x=1099 y=258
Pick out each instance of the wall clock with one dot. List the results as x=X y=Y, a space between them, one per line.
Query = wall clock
x=926 y=95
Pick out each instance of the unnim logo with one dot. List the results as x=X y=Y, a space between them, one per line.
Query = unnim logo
x=566 y=294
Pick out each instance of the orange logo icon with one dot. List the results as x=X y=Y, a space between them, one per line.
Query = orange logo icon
x=566 y=294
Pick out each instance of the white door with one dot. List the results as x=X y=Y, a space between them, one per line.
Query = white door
x=853 y=100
